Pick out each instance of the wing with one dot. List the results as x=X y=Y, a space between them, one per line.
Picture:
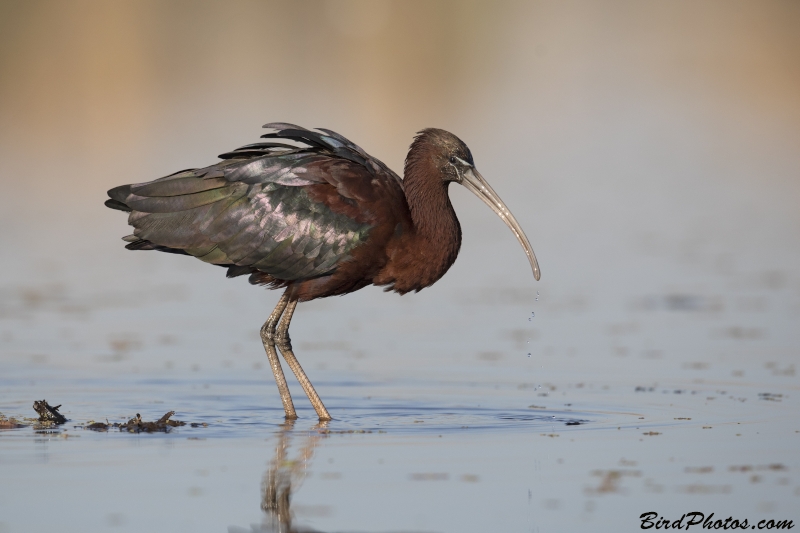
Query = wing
x=292 y=212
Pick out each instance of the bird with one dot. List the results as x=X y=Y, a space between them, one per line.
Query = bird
x=310 y=212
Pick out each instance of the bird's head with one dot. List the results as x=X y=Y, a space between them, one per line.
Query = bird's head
x=453 y=160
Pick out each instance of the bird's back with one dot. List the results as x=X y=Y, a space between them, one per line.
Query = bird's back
x=279 y=212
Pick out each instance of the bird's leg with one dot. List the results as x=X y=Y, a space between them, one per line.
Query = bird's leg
x=285 y=346
x=268 y=337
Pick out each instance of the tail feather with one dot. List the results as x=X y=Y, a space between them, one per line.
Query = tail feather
x=116 y=204
x=236 y=270
x=120 y=193
x=142 y=244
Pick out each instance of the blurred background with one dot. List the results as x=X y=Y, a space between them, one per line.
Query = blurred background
x=650 y=151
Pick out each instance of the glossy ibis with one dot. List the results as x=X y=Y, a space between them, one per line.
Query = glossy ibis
x=311 y=212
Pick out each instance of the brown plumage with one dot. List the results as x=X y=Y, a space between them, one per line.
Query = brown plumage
x=319 y=218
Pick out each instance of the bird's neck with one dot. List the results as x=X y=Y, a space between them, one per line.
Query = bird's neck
x=437 y=233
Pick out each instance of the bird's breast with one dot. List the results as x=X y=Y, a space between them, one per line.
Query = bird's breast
x=416 y=260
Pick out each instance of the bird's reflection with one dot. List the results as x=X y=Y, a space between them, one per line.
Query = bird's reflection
x=285 y=475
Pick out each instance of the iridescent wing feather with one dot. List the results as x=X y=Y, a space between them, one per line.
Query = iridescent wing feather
x=255 y=211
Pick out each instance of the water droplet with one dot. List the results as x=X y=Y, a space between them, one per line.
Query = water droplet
x=533 y=314
x=537 y=296
x=529 y=354
x=529 y=319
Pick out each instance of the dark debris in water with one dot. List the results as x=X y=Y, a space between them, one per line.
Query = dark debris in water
x=99 y=426
x=770 y=396
x=137 y=425
x=9 y=423
x=48 y=413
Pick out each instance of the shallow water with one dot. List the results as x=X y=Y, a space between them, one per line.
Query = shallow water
x=431 y=432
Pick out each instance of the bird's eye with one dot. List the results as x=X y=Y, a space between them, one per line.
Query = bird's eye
x=453 y=159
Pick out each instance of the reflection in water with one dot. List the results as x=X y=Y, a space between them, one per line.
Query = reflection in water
x=283 y=476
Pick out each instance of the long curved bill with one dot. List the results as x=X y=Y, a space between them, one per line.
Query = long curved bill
x=475 y=183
